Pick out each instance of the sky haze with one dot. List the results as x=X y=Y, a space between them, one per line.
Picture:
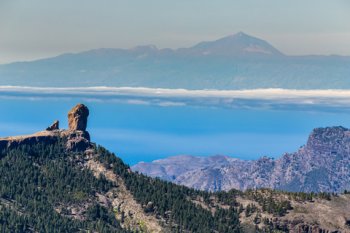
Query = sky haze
x=36 y=29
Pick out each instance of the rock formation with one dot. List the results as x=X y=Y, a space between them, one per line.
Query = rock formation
x=77 y=138
x=54 y=126
x=77 y=117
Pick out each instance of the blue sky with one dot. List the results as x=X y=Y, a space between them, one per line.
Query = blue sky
x=41 y=28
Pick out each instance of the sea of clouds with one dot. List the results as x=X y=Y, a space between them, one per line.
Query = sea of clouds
x=254 y=98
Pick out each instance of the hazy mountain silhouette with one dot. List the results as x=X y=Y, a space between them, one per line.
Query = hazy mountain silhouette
x=237 y=61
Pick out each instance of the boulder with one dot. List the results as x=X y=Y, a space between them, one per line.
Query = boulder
x=77 y=117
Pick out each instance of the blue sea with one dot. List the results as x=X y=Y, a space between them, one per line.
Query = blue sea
x=145 y=132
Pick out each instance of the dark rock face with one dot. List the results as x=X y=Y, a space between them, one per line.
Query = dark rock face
x=322 y=165
x=77 y=117
x=78 y=141
x=54 y=126
x=45 y=137
x=3 y=145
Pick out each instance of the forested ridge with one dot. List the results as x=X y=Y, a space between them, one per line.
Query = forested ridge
x=174 y=201
x=36 y=179
x=38 y=184
x=45 y=188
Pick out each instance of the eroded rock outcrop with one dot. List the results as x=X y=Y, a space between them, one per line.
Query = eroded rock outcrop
x=55 y=126
x=77 y=117
x=77 y=138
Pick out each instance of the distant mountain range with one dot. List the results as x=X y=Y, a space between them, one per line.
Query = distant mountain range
x=322 y=165
x=237 y=61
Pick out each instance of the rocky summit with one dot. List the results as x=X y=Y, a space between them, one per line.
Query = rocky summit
x=322 y=165
x=76 y=137
x=77 y=117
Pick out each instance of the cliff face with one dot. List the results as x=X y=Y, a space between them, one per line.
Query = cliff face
x=322 y=165
x=76 y=137
x=77 y=117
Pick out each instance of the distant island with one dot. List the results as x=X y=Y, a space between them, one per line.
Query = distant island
x=238 y=61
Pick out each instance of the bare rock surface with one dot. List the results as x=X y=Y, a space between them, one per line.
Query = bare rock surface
x=77 y=139
x=77 y=117
x=123 y=202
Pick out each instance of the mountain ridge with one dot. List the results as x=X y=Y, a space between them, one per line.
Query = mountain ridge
x=46 y=186
x=239 y=44
x=322 y=165
x=225 y=64
x=152 y=47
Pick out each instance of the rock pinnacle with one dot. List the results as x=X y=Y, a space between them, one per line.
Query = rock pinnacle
x=77 y=117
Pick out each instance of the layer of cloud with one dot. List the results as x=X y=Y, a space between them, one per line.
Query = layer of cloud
x=256 y=98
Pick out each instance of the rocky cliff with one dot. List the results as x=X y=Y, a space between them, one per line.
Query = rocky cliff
x=76 y=137
x=322 y=165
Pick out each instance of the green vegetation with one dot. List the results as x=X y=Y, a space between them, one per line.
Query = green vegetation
x=173 y=202
x=268 y=201
x=40 y=184
x=36 y=180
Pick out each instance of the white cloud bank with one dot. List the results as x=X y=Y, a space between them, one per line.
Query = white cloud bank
x=180 y=97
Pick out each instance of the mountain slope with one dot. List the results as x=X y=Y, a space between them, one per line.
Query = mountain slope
x=322 y=165
x=238 y=61
x=58 y=181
